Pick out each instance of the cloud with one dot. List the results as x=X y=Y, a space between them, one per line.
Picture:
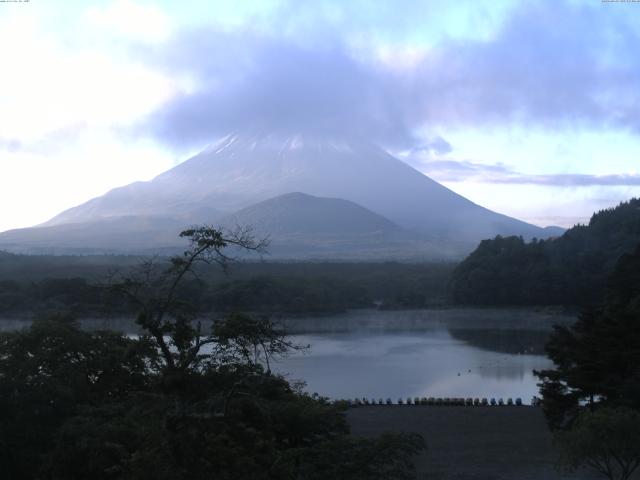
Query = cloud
x=465 y=168
x=242 y=81
x=554 y=64
x=460 y=171
x=52 y=142
x=434 y=146
x=130 y=19
x=11 y=145
x=48 y=85
x=550 y=64
x=572 y=180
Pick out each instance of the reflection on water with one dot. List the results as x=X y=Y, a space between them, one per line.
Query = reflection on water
x=504 y=340
x=432 y=363
x=427 y=353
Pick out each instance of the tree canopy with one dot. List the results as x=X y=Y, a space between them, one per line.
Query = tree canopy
x=607 y=441
x=175 y=402
x=597 y=360
x=569 y=270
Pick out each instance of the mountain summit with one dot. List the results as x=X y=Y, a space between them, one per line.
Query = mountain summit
x=241 y=170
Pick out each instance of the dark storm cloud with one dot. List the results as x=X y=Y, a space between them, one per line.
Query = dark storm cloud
x=551 y=64
x=248 y=82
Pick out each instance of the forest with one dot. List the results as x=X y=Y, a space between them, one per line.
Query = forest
x=31 y=285
x=175 y=402
x=568 y=270
x=180 y=401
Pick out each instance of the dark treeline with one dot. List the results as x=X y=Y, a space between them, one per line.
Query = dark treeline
x=598 y=358
x=569 y=270
x=177 y=402
x=591 y=395
x=78 y=405
x=38 y=267
x=31 y=285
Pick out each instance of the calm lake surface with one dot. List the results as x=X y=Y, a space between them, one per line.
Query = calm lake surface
x=417 y=353
x=424 y=364
x=449 y=353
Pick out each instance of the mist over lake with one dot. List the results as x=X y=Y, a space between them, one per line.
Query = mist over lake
x=409 y=364
x=454 y=352
x=425 y=353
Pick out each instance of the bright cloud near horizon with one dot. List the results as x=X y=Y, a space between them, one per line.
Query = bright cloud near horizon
x=531 y=109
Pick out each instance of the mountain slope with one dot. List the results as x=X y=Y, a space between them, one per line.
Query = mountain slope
x=298 y=226
x=126 y=234
x=299 y=214
x=301 y=225
x=242 y=170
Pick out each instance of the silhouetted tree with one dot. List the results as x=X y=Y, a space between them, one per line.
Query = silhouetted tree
x=49 y=373
x=607 y=441
x=597 y=360
x=175 y=403
x=169 y=320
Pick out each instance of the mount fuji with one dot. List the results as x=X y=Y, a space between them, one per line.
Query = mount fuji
x=306 y=191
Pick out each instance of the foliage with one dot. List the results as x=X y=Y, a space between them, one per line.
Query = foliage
x=49 y=372
x=175 y=403
x=597 y=360
x=32 y=285
x=389 y=456
x=569 y=270
x=245 y=340
x=155 y=294
x=287 y=295
x=607 y=440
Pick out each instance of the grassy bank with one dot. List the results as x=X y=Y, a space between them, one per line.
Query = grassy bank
x=470 y=443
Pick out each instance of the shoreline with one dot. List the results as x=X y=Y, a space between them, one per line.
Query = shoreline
x=374 y=320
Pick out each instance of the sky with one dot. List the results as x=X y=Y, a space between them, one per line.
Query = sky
x=531 y=109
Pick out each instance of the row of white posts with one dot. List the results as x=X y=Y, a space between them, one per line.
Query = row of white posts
x=462 y=402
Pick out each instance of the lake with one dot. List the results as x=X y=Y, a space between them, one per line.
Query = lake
x=427 y=353
x=414 y=353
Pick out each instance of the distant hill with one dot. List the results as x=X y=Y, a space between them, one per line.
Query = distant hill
x=301 y=225
x=300 y=215
x=117 y=235
x=243 y=169
x=553 y=231
x=569 y=270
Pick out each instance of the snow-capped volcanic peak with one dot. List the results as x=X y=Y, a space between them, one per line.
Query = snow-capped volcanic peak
x=279 y=142
x=244 y=168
